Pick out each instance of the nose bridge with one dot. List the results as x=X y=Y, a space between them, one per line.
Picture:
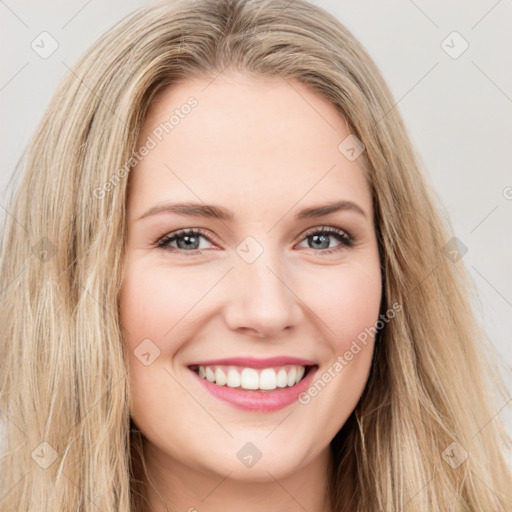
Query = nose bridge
x=262 y=298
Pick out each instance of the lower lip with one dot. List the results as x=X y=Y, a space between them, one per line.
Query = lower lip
x=263 y=401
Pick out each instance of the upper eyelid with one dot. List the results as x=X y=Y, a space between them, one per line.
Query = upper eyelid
x=325 y=228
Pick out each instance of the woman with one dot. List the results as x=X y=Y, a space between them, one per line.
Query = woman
x=234 y=292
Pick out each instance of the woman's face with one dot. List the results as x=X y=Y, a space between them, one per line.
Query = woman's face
x=221 y=324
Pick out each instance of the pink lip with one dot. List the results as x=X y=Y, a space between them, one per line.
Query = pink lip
x=253 y=362
x=263 y=401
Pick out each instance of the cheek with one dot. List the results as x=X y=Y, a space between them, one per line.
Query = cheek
x=348 y=305
x=157 y=316
x=155 y=303
x=347 y=301
x=149 y=307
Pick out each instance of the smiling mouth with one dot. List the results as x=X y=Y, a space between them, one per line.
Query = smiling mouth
x=253 y=379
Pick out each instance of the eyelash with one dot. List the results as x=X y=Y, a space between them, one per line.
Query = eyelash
x=345 y=239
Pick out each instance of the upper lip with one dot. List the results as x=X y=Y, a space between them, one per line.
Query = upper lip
x=254 y=362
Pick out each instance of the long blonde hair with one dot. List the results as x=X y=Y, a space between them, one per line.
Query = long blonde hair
x=425 y=435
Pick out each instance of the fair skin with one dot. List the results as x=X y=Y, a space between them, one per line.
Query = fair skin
x=264 y=150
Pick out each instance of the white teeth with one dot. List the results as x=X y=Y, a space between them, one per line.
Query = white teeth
x=220 y=377
x=249 y=378
x=210 y=375
x=268 y=379
x=233 y=378
x=292 y=374
x=282 y=378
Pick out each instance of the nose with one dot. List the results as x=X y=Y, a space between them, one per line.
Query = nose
x=262 y=300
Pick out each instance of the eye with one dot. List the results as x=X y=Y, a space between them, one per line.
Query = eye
x=187 y=240
x=321 y=238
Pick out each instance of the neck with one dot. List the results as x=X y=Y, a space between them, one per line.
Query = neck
x=178 y=487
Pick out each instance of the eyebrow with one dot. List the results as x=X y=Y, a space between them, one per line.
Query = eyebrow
x=219 y=212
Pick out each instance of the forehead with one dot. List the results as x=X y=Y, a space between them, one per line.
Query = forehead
x=270 y=140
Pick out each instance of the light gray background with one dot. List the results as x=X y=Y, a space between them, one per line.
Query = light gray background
x=458 y=111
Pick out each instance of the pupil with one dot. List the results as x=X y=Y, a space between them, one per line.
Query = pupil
x=190 y=241
x=322 y=240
